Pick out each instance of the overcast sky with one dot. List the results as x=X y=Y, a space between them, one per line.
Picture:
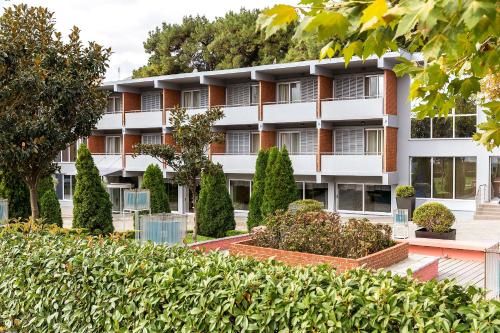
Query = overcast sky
x=123 y=25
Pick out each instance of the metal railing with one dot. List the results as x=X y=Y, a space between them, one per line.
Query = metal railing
x=481 y=195
x=349 y=98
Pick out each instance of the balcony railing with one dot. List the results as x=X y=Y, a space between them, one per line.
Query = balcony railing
x=352 y=108
x=361 y=164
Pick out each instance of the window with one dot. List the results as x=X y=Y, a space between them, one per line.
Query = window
x=113 y=145
x=68 y=154
x=151 y=139
x=300 y=141
x=374 y=85
x=65 y=186
x=364 y=198
x=289 y=92
x=377 y=198
x=460 y=123
x=350 y=197
x=290 y=140
x=374 y=141
x=173 y=194
x=114 y=104
x=240 y=193
x=444 y=177
x=254 y=94
x=349 y=141
x=314 y=191
x=151 y=102
x=359 y=86
x=191 y=99
x=238 y=143
x=254 y=143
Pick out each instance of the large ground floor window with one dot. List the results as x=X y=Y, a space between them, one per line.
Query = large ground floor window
x=315 y=191
x=240 y=193
x=173 y=194
x=65 y=186
x=444 y=177
x=364 y=198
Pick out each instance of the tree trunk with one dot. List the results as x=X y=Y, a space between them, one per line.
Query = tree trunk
x=34 y=199
x=195 y=227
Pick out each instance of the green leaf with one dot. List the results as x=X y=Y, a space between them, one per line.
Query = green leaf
x=354 y=48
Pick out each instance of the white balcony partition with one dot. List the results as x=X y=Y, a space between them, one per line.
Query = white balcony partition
x=351 y=165
x=304 y=164
x=290 y=112
x=140 y=162
x=143 y=119
x=236 y=163
x=240 y=115
x=107 y=164
x=110 y=121
x=352 y=109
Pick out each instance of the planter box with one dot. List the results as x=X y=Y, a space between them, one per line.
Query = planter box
x=407 y=203
x=376 y=260
x=423 y=233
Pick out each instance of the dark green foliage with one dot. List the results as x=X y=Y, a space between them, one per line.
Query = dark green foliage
x=50 y=210
x=280 y=189
x=153 y=181
x=215 y=212
x=255 y=217
x=45 y=184
x=405 y=191
x=91 y=203
x=111 y=278
x=434 y=216
x=321 y=232
x=231 y=233
x=14 y=189
x=306 y=205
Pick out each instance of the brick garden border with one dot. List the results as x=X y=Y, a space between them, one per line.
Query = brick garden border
x=380 y=259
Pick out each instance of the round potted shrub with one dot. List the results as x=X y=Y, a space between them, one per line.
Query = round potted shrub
x=405 y=199
x=306 y=205
x=435 y=221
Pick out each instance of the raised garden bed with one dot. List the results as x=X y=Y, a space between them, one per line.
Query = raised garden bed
x=380 y=259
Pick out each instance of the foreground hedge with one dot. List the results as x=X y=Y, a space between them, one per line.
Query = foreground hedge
x=54 y=283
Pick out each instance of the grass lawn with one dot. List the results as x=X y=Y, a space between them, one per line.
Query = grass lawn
x=189 y=238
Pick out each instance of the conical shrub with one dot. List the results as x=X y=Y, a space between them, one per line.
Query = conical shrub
x=255 y=217
x=50 y=209
x=153 y=181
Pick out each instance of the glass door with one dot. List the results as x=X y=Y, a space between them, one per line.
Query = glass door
x=374 y=141
x=115 y=197
x=495 y=179
x=291 y=140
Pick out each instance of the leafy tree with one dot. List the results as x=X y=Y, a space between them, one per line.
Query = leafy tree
x=50 y=209
x=50 y=93
x=280 y=188
x=255 y=217
x=458 y=41
x=14 y=189
x=91 y=204
x=214 y=208
x=188 y=157
x=153 y=181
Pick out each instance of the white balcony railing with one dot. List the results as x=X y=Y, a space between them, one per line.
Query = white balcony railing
x=239 y=115
x=304 y=164
x=236 y=163
x=289 y=112
x=110 y=121
x=144 y=119
x=352 y=109
x=107 y=164
x=140 y=162
x=351 y=165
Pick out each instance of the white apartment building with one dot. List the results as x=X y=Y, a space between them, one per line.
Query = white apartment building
x=349 y=131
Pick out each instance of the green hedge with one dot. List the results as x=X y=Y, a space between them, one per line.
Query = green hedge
x=54 y=283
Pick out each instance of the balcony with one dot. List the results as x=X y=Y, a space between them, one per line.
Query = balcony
x=236 y=163
x=351 y=165
x=143 y=119
x=107 y=164
x=239 y=115
x=290 y=112
x=140 y=162
x=352 y=109
x=304 y=164
x=110 y=121
x=190 y=111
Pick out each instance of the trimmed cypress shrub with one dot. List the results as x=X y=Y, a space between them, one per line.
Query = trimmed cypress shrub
x=280 y=189
x=14 y=189
x=255 y=217
x=50 y=210
x=91 y=203
x=45 y=184
x=266 y=198
x=153 y=181
x=215 y=212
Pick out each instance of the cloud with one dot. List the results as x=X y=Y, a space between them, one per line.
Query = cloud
x=123 y=25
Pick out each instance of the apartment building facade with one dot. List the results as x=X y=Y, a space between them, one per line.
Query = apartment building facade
x=349 y=131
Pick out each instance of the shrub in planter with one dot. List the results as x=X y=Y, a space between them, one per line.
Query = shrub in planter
x=405 y=199
x=112 y=285
x=434 y=217
x=306 y=205
x=321 y=232
x=405 y=191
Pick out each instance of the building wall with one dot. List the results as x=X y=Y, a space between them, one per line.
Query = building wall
x=131 y=102
x=96 y=144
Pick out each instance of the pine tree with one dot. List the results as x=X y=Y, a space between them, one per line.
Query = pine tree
x=14 y=189
x=153 y=181
x=280 y=189
x=91 y=203
x=259 y=181
x=267 y=197
x=214 y=209
x=50 y=209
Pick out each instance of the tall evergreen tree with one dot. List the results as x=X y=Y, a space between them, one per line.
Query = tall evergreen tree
x=214 y=209
x=271 y=159
x=50 y=209
x=153 y=181
x=91 y=203
x=258 y=185
x=14 y=189
x=280 y=189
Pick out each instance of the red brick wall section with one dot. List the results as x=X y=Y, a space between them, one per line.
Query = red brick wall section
x=219 y=244
x=325 y=90
x=267 y=139
x=216 y=95
x=131 y=102
x=267 y=94
x=391 y=93
x=96 y=144
x=218 y=147
x=390 y=149
x=171 y=99
x=129 y=141
x=377 y=260
x=325 y=145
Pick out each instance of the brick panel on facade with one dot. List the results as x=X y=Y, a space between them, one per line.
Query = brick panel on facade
x=325 y=90
x=267 y=94
x=325 y=145
x=131 y=102
x=390 y=149
x=216 y=95
x=171 y=99
x=218 y=147
x=129 y=141
x=267 y=139
x=96 y=144
x=391 y=93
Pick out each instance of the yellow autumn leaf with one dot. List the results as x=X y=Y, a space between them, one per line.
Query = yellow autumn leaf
x=372 y=15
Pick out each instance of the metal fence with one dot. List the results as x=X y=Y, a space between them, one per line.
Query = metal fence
x=167 y=229
x=492 y=271
x=4 y=210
